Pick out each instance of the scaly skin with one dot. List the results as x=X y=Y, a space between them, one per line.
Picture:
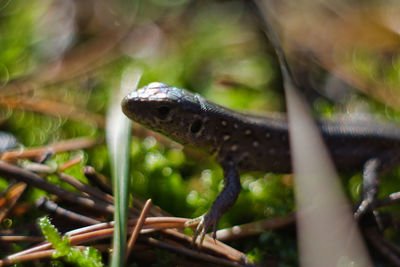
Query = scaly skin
x=244 y=142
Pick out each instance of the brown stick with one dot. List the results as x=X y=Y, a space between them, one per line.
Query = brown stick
x=70 y=163
x=72 y=144
x=209 y=244
x=97 y=179
x=13 y=172
x=16 y=238
x=11 y=197
x=85 y=188
x=42 y=255
x=254 y=228
x=52 y=207
x=193 y=254
x=105 y=230
x=136 y=230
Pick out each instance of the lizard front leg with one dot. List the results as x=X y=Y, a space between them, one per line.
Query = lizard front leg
x=372 y=169
x=226 y=198
x=370 y=189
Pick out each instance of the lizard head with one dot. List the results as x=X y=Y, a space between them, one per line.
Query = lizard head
x=171 y=111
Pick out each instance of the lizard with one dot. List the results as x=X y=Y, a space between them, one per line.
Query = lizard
x=242 y=142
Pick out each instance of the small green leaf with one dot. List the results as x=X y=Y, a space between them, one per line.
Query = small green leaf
x=88 y=257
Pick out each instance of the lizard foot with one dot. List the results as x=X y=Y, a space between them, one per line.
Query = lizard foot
x=370 y=191
x=226 y=198
x=362 y=209
x=203 y=223
x=366 y=206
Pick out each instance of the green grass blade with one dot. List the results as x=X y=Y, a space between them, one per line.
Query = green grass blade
x=118 y=140
x=327 y=232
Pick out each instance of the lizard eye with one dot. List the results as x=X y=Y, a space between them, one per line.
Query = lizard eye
x=162 y=112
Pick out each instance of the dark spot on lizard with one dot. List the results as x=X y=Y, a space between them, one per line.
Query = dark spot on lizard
x=196 y=126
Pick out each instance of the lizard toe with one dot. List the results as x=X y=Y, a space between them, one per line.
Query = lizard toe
x=365 y=207
x=204 y=223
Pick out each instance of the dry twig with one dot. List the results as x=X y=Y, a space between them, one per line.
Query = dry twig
x=68 y=145
x=136 y=230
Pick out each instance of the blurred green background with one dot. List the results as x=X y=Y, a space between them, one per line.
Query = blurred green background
x=61 y=60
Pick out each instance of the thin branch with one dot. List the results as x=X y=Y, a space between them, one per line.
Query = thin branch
x=254 y=228
x=136 y=230
x=100 y=181
x=97 y=179
x=192 y=253
x=7 y=203
x=68 y=145
x=51 y=207
x=85 y=188
x=13 y=172
x=72 y=162
x=105 y=230
x=43 y=255
x=18 y=238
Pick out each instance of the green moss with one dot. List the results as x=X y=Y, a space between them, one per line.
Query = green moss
x=213 y=48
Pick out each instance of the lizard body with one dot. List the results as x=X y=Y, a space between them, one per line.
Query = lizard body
x=243 y=142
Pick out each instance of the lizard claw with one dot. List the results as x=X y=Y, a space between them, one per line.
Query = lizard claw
x=203 y=222
x=370 y=191
x=364 y=207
